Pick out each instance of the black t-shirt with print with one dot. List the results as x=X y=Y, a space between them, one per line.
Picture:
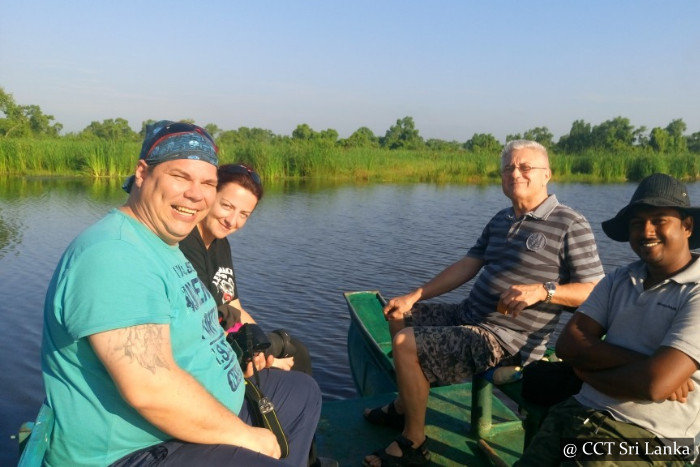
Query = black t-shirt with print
x=214 y=266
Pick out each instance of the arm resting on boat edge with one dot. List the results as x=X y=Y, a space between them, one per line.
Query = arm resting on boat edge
x=140 y=361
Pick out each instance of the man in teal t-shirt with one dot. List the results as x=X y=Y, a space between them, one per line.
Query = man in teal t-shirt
x=136 y=366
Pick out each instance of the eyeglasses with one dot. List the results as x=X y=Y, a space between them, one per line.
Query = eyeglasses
x=241 y=169
x=523 y=168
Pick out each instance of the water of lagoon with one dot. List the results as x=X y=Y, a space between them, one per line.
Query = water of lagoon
x=301 y=249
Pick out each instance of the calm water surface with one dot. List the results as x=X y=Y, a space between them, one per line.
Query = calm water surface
x=302 y=248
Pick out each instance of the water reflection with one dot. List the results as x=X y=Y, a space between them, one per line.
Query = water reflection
x=10 y=233
x=18 y=188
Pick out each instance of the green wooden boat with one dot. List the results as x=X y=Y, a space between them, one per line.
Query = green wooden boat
x=466 y=424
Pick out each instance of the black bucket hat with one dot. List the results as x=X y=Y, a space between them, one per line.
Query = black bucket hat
x=657 y=190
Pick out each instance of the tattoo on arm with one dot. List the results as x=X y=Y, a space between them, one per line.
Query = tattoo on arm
x=143 y=344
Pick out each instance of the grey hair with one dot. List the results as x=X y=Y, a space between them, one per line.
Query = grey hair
x=522 y=144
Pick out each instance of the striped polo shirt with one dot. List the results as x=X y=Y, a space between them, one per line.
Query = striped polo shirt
x=552 y=243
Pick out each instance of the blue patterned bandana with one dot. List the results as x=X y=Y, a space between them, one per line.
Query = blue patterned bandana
x=166 y=141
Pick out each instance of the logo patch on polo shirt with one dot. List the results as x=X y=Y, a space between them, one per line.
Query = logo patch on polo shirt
x=670 y=307
x=536 y=241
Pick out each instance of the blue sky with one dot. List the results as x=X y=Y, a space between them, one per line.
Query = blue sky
x=456 y=67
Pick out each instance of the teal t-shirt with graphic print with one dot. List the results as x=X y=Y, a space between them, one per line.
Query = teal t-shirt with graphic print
x=114 y=275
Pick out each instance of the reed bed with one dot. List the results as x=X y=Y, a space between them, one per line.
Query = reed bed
x=68 y=157
x=322 y=160
x=303 y=160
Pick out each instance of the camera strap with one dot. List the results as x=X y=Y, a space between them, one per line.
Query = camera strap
x=263 y=413
x=262 y=409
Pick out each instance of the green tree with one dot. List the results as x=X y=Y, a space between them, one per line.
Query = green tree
x=403 y=135
x=483 y=142
x=363 y=137
x=677 y=141
x=616 y=134
x=694 y=142
x=303 y=132
x=111 y=129
x=514 y=137
x=542 y=135
x=25 y=120
x=676 y=128
x=213 y=129
x=40 y=123
x=13 y=122
x=258 y=135
x=578 y=139
x=442 y=145
x=659 y=140
x=329 y=135
x=244 y=136
x=640 y=137
x=6 y=101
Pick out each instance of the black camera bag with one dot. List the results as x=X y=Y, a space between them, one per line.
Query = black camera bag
x=547 y=383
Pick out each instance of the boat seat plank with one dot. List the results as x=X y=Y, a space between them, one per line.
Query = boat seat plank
x=447 y=426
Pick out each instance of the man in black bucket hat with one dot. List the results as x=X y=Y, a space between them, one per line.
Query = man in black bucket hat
x=657 y=190
x=639 y=380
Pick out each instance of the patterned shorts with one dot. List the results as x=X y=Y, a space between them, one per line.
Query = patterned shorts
x=450 y=352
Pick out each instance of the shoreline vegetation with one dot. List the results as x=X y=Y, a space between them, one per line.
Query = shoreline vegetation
x=611 y=152
x=308 y=160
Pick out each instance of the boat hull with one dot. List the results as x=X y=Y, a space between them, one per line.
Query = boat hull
x=369 y=345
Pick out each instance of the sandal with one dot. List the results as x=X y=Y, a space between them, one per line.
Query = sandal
x=410 y=456
x=389 y=418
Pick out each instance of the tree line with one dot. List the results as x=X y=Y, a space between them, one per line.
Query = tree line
x=615 y=135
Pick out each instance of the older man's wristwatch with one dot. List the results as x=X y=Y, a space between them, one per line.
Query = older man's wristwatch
x=550 y=287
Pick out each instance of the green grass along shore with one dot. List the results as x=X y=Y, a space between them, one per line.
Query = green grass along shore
x=310 y=161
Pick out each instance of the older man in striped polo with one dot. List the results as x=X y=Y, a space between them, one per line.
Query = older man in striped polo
x=533 y=259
